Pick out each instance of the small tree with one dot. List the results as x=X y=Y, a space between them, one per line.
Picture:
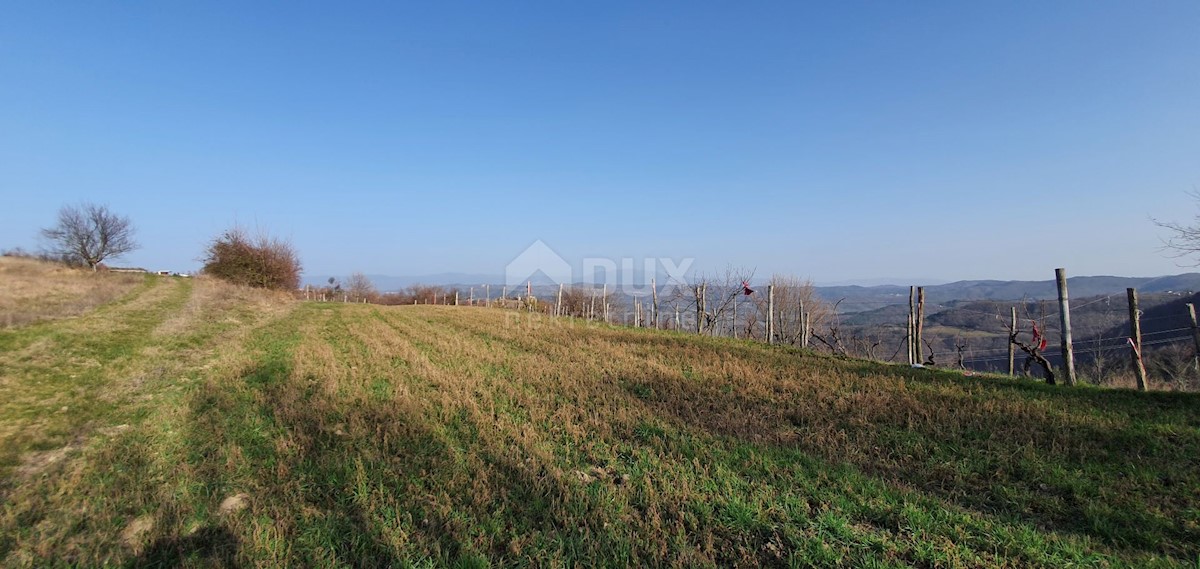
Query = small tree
x=87 y=234
x=261 y=261
x=361 y=288
x=1183 y=240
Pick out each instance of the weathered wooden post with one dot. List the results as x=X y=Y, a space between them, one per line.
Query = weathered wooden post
x=770 y=314
x=676 y=318
x=456 y=298
x=912 y=325
x=1064 y=319
x=1012 y=347
x=654 y=297
x=604 y=301
x=803 y=325
x=558 y=311
x=1195 y=336
x=1135 y=338
x=920 y=324
x=807 y=330
x=487 y=290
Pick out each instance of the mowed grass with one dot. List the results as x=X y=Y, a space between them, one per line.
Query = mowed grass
x=269 y=433
x=34 y=291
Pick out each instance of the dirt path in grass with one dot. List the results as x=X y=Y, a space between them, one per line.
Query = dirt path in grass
x=68 y=380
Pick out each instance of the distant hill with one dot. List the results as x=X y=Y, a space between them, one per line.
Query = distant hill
x=390 y=283
x=855 y=298
x=859 y=298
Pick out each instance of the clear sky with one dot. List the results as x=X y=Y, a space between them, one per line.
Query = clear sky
x=833 y=140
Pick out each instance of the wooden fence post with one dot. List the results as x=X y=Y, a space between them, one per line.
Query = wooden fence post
x=604 y=301
x=1195 y=336
x=770 y=314
x=803 y=328
x=1012 y=347
x=1135 y=338
x=558 y=311
x=920 y=324
x=911 y=335
x=654 y=296
x=1064 y=319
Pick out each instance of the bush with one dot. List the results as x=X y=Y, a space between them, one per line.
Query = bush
x=261 y=261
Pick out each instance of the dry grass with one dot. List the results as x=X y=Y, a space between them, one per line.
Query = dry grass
x=35 y=291
x=359 y=435
x=84 y=394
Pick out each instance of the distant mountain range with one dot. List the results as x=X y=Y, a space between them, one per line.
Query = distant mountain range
x=855 y=298
x=859 y=298
x=390 y=283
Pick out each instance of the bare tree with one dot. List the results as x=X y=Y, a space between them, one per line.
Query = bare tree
x=834 y=342
x=713 y=298
x=1183 y=240
x=87 y=234
x=798 y=310
x=585 y=301
x=361 y=288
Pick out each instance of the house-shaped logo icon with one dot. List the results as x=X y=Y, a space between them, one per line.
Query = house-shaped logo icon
x=537 y=258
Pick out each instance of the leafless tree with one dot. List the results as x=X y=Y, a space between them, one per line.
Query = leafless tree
x=87 y=234
x=1183 y=240
x=586 y=301
x=360 y=288
x=798 y=310
x=834 y=341
x=712 y=297
x=1174 y=364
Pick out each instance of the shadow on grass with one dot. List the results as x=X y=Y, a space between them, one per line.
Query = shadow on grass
x=1095 y=463
x=213 y=546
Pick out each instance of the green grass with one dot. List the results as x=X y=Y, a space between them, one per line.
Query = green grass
x=435 y=436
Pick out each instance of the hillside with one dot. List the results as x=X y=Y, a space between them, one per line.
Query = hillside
x=189 y=423
x=859 y=298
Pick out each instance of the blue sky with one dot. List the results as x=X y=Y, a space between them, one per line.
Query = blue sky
x=837 y=141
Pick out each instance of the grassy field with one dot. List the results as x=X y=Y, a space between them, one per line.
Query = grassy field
x=35 y=291
x=195 y=424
